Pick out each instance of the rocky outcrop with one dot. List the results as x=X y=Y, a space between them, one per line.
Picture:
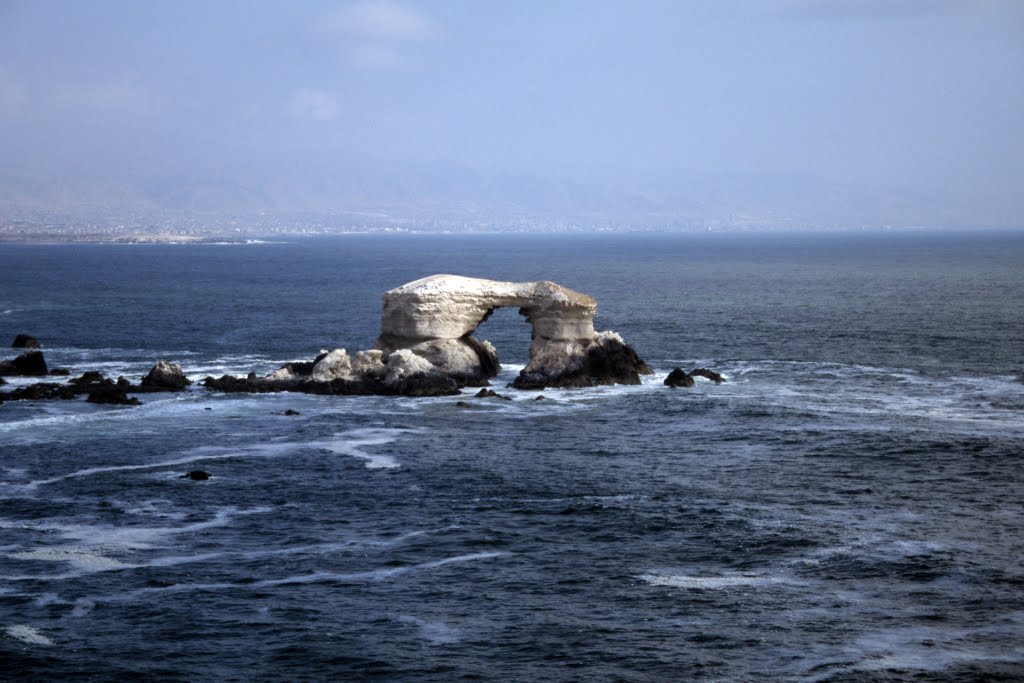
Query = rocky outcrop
x=679 y=378
x=29 y=364
x=707 y=374
x=165 y=376
x=112 y=394
x=435 y=317
x=605 y=359
x=25 y=341
x=426 y=347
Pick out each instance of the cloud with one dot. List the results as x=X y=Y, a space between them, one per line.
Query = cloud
x=313 y=105
x=378 y=33
x=381 y=20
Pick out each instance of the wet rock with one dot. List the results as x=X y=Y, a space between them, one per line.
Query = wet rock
x=88 y=378
x=165 y=376
x=60 y=372
x=196 y=475
x=43 y=391
x=29 y=364
x=25 y=341
x=607 y=359
x=111 y=394
x=490 y=393
x=292 y=412
x=462 y=405
x=709 y=374
x=678 y=378
x=542 y=397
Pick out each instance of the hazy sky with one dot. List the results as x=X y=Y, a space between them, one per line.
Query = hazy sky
x=916 y=93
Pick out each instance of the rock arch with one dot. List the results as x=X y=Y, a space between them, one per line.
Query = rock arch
x=435 y=318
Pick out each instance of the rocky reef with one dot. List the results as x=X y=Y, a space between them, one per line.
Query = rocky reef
x=426 y=347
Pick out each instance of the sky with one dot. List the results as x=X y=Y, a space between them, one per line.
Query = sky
x=921 y=97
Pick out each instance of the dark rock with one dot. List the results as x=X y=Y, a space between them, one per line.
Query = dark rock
x=29 y=364
x=165 y=376
x=607 y=360
x=25 y=341
x=678 y=378
x=40 y=392
x=124 y=384
x=60 y=372
x=252 y=376
x=490 y=393
x=292 y=412
x=196 y=475
x=2 y=381
x=87 y=378
x=111 y=394
x=542 y=397
x=710 y=374
x=462 y=404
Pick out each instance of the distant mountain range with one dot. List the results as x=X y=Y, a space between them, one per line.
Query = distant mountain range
x=374 y=194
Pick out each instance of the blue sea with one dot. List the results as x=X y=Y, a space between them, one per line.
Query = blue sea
x=846 y=507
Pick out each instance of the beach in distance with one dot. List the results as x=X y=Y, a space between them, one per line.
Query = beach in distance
x=845 y=506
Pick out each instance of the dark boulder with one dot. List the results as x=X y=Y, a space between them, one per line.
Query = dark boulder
x=196 y=475
x=678 y=378
x=542 y=397
x=165 y=376
x=709 y=374
x=25 y=341
x=462 y=405
x=60 y=372
x=606 y=360
x=87 y=378
x=29 y=364
x=292 y=412
x=111 y=394
x=491 y=393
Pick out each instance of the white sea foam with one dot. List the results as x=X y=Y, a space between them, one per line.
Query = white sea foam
x=353 y=442
x=92 y=545
x=708 y=582
x=27 y=634
x=200 y=454
x=434 y=632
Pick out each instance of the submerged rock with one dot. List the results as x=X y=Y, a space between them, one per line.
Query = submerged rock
x=165 y=376
x=679 y=378
x=25 y=341
x=196 y=475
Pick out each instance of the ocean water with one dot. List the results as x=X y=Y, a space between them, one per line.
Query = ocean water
x=847 y=507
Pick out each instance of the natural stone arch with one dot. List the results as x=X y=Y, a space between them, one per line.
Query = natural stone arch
x=435 y=317
x=453 y=306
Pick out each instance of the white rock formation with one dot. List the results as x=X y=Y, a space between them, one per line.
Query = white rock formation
x=452 y=306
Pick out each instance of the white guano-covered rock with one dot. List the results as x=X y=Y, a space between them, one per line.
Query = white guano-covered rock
x=335 y=365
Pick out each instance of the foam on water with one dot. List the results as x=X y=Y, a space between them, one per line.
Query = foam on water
x=353 y=442
x=27 y=634
x=709 y=582
x=434 y=632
